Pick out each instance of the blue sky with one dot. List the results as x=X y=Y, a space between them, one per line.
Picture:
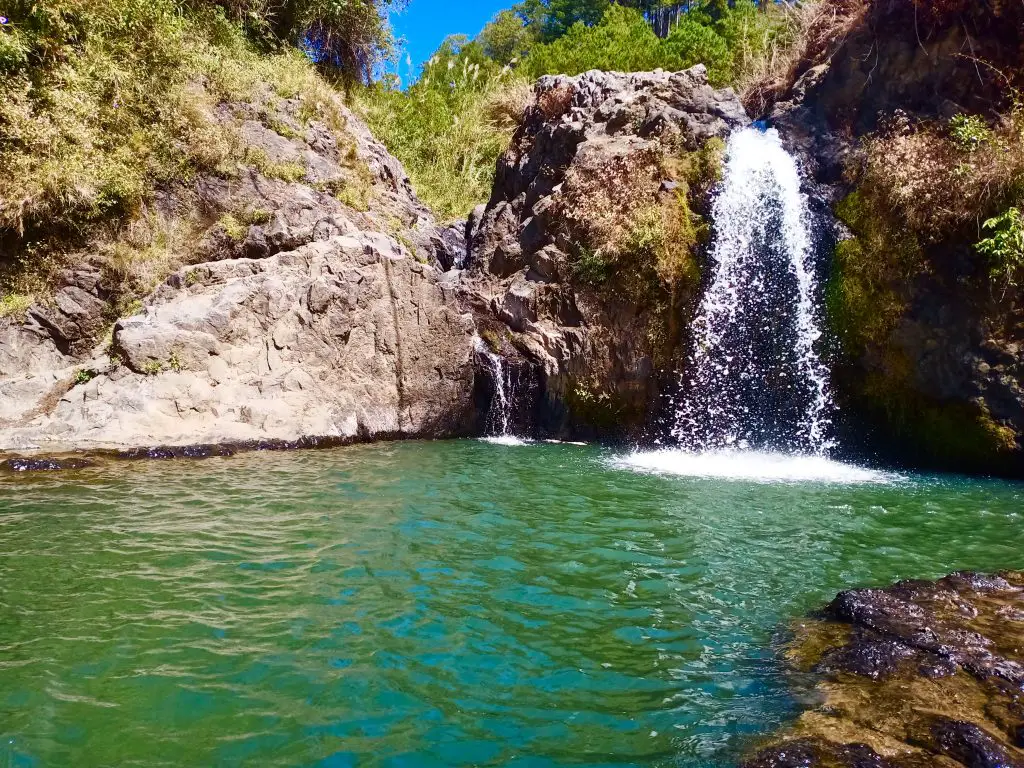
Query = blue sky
x=425 y=23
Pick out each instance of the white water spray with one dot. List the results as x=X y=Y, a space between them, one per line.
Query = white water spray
x=754 y=379
x=499 y=417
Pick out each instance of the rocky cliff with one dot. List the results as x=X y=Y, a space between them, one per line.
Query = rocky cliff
x=588 y=251
x=904 y=116
x=313 y=304
x=327 y=303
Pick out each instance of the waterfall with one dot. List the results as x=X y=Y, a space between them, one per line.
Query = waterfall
x=754 y=379
x=498 y=424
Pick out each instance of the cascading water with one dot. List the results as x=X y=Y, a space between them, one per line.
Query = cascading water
x=754 y=379
x=498 y=425
x=755 y=401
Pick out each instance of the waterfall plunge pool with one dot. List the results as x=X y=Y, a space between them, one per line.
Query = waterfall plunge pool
x=438 y=604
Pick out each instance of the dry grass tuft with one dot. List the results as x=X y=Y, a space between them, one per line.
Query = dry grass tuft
x=817 y=30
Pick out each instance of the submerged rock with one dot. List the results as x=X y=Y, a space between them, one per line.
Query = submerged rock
x=43 y=464
x=917 y=674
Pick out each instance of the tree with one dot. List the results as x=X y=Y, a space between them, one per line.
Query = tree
x=346 y=37
x=507 y=37
x=550 y=19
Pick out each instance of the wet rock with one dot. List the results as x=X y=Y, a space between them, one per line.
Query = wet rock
x=809 y=753
x=18 y=464
x=917 y=674
x=971 y=746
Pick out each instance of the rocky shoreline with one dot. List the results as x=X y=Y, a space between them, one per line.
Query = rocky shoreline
x=919 y=674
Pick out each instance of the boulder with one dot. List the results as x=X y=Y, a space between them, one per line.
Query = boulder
x=916 y=674
x=346 y=338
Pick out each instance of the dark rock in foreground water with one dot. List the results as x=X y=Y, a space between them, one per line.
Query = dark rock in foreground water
x=917 y=674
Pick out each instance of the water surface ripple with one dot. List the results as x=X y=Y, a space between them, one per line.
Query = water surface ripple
x=435 y=604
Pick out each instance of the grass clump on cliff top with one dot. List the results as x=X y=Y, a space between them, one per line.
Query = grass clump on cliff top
x=451 y=125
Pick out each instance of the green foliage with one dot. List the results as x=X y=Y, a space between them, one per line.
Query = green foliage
x=85 y=375
x=233 y=228
x=1005 y=246
x=693 y=43
x=14 y=305
x=449 y=128
x=347 y=37
x=291 y=172
x=551 y=19
x=492 y=339
x=622 y=41
x=864 y=295
x=506 y=39
x=236 y=225
x=969 y=132
x=729 y=41
x=103 y=101
x=591 y=267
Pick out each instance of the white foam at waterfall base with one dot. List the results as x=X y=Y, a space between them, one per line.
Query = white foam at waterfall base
x=508 y=440
x=751 y=466
x=755 y=398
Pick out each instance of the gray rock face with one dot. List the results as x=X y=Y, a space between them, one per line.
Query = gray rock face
x=313 y=323
x=347 y=338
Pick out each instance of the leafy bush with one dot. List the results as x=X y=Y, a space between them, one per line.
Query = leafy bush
x=1005 y=246
x=969 y=132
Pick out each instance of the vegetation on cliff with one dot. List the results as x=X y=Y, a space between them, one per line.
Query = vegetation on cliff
x=450 y=125
x=934 y=210
x=102 y=103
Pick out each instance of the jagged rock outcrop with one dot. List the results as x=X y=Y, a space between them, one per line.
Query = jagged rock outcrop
x=597 y=158
x=914 y=675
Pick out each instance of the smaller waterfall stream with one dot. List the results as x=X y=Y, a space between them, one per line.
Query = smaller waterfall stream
x=498 y=425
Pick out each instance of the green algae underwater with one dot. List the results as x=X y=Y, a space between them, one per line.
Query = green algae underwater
x=441 y=604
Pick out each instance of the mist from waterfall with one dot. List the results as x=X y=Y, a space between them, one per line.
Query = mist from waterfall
x=754 y=379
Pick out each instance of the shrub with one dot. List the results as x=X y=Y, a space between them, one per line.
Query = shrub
x=1005 y=246
x=451 y=126
x=15 y=305
x=969 y=132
